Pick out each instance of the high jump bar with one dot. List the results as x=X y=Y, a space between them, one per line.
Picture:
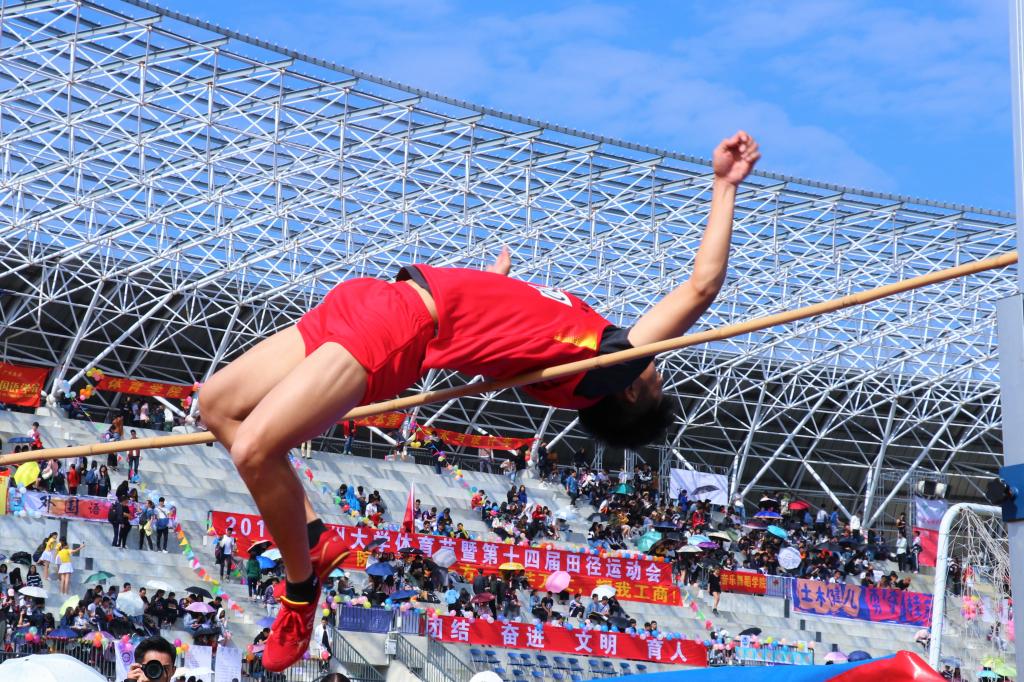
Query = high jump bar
x=649 y=350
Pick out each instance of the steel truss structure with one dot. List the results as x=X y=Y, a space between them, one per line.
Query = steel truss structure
x=171 y=192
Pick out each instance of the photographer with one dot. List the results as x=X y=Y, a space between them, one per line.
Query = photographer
x=154 y=661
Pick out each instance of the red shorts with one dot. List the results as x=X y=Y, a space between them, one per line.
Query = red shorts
x=384 y=325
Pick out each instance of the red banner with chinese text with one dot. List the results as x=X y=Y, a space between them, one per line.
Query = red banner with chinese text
x=633 y=579
x=744 y=582
x=388 y=421
x=465 y=440
x=152 y=389
x=21 y=385
x=559 y=639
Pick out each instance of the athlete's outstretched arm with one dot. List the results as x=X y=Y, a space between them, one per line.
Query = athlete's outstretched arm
x=503 y=263
x=733 y=160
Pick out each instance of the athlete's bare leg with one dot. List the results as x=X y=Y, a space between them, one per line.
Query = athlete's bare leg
x=268 y=401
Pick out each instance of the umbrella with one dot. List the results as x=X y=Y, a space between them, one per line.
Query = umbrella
x=130 y=604
x=1005 y=670
x=26 y=474
x=988 y=675
x=665 y=525
x=444 y=557
x=194 y=607
x=265 y=563
x=858 y=655
x=337 y=573
x=22 y=558
x=35 y=592
x=482 y=598
x=274 y=554
x=789 y=558
x=98 y=577
x=647 y=540
x=708 y=545
x=750 y=631
x=697 y=539
x=662 y=547
x=951 y=661
x=511 y=566
x=721 y=535
x=378 y=542
x=623 y=489
x=770 y=499
x=381 y=569
x=411 y=550
x=603 y=591
x=690 y=549
x=402 y=595
x=849 y=541
x=830 y=546
x=619 y=622
x=70 y=603
x=48 y=668
x=754 y=524
x=778 y=532
x=265 y=622
x=20 y=440
x=159 y=585
x=835 y=657
x=598 y=618
x=767 y=514
x=199 y=592
x=62 y=633
x=259 y=547
x=451 y=596
x=799 y=505
x=196 y=673
x=557 y=581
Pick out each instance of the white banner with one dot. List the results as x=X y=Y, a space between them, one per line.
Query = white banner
x=700 y=486
x=200 y=658
x=229 y=664
x=928 y=513
x=124 y=656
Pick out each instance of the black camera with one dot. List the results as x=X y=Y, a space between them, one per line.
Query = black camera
x=153 y=669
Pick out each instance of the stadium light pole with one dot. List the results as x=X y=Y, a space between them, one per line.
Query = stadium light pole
x=1010 y=312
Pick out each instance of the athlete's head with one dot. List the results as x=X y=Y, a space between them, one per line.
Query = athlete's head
x=633 y=417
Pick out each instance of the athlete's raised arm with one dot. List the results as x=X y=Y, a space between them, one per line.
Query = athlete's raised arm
x=502 y=264
x=732 y=161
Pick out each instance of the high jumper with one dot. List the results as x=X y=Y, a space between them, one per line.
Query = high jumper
x=370 y=339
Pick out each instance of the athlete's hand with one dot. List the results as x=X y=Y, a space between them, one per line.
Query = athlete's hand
x=734 y=157
x=503 y=263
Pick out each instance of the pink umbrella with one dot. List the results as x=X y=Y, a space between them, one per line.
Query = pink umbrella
x=199 y=607
x=557 y=581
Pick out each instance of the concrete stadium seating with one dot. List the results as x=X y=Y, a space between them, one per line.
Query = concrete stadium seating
x=200 y=478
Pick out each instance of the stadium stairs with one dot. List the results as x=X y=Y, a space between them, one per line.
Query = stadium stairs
x=201 y=478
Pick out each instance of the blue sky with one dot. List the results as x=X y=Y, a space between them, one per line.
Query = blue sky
x=908 y=97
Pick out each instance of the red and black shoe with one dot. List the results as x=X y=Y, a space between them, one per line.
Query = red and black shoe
x=327 y=555
x=290 y=633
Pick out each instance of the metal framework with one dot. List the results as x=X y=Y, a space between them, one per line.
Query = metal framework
x=171 y=192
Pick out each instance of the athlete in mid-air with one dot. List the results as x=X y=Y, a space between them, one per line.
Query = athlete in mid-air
x=371 y=339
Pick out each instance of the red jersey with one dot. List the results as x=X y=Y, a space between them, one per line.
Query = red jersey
x=501 y=327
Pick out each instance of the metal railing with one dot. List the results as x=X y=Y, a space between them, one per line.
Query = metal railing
x=413 y=659
x=357 y=667
x=450 y=667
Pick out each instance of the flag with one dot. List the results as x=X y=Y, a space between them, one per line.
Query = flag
x=901 y=667
x=407 y=523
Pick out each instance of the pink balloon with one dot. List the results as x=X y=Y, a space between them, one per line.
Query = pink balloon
x=557 y=581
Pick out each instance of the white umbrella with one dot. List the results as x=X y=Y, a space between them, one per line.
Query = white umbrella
x=567 y=514
x=47 y=668
x=603 y=591
x=130 y=604
x=191 y=672
x=274 y=554
x=159 y=585
x=37 y=592
x=444 y=557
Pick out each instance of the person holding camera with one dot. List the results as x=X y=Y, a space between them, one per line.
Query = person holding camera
x=154 y=661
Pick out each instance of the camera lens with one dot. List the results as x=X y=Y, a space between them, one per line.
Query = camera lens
x=153 y=670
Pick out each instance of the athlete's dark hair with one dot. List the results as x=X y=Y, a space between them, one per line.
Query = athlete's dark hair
x=622 y=424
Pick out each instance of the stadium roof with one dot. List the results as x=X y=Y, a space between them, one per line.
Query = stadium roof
x=171 y=192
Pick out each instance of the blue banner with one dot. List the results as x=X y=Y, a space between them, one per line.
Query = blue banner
x=872 y=604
